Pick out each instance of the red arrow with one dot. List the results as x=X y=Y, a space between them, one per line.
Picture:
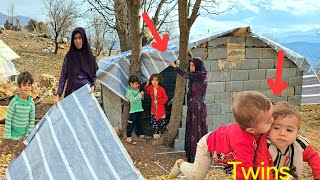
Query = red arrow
x=277 y=86
x=159 y=44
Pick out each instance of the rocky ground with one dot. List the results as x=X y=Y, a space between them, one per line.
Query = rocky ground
x=37 y=61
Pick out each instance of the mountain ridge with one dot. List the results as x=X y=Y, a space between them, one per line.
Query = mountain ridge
x=23 y=19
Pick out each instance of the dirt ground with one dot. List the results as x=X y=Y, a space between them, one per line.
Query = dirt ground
x=144 y=154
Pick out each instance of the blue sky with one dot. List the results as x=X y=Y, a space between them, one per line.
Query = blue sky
x=265 y=16
x=272 y=17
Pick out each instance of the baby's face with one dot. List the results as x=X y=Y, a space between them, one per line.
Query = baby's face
x=284 y=131
x=265 y=121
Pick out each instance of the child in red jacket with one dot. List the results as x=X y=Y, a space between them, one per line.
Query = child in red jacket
x=233 y=144
x=281 y=152
x=158 y=99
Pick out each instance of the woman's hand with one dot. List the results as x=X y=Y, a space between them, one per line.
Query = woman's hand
x=22 y=139
x=91 y=89
x=172 y=64
x=56 y=100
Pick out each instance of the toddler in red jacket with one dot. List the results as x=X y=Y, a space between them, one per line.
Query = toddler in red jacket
x=281 y=152
x=232 y=146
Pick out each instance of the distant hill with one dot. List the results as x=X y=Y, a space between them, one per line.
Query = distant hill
x=23 y=19
x=311 y=51
x=298 y=36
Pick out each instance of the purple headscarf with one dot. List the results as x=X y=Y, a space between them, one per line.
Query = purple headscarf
x=200 y=70
x=81 y=60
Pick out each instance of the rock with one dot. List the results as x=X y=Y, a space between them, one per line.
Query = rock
x=31 y=35
x=8 y=89
x=47 y=81
x=46 y=51
x=61 y=46
x=8 y=25
x=3 y=112
x=50 y=48
x=65 y=40
x=36 y=91
x=39 y=27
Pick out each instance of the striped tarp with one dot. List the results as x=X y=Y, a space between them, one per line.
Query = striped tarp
x=7 y=68
x=74 y=141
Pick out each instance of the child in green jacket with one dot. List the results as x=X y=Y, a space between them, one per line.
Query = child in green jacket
x=134 y=96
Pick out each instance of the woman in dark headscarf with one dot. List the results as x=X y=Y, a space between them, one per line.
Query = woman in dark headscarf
x=79 y=65
x=196 y=125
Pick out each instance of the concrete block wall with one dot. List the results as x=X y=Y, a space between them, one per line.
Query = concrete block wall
x=225 y=78
x=112 y=110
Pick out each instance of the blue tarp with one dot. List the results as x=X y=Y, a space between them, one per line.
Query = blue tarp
x=74 y=141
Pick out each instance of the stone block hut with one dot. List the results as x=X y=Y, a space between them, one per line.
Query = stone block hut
x=236 y=60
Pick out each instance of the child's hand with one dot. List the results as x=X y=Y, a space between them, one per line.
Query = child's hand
x=142 y=93
x=155 y=102
x=173 y=64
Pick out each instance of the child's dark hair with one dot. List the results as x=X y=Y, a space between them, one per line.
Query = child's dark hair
x=156 y=76
x=24 y=77
x=133 y=79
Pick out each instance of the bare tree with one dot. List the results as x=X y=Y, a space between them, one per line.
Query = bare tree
x=65 y=29
x=111 y=41
x=61 y=15
x=116 y=15
x=188 y=13
x=100 y=30
x=11 y=12
x=9 y=22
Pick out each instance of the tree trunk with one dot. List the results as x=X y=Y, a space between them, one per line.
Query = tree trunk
x=122 y=24
x=134 y=8
x=124 y=20
x=56 y=43
x=177 y=105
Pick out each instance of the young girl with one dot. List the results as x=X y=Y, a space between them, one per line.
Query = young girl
x=158 y=99
x=282 y=149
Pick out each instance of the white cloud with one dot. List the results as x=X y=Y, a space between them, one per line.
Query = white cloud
x=205 y=25
x=249 y=5
x=296 y=7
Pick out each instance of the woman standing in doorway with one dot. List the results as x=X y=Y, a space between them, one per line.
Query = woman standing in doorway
x=196 y=125
x=79 y=65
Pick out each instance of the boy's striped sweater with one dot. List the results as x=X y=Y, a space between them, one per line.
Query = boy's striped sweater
x=20 y=118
